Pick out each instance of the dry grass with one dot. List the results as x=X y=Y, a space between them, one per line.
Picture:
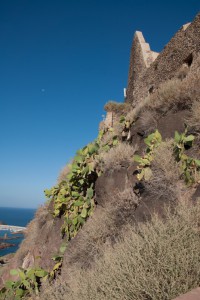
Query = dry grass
x=134 y=113
x=118 y=128
x=103 y=227
x=100 y=231
x=174 y=94
x=148 y=120
x=117 y=107
x=193 y=121
x=113 y=159
x=158 y=260
x=166 y=173
x=166 y=97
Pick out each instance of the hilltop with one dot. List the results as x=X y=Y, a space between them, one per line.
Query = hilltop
x=123 y=220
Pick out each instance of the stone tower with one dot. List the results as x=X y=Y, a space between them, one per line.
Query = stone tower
x=149 y=69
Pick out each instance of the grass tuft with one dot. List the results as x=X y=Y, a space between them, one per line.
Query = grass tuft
x=117 y=155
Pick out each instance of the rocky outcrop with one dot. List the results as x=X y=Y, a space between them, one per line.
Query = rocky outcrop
x=6 y=245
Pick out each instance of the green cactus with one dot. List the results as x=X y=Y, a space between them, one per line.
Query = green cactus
x=152 y=142
x=190 y=167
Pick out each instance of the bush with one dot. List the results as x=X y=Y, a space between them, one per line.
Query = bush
x=148 y=120
x=166 y=96
x=165 y=173
x=158 y=260
x=112 y=159
x=103 y=228
x=133 y=114
x=116 y=107
x=176 y=94
x=193 y=120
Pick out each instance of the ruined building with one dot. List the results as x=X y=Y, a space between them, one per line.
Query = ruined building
x=148 y=69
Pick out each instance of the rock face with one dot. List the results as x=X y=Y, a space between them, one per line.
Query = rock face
x=6 y=245
x=193 y=295
x=41 y=243
x=148 y=69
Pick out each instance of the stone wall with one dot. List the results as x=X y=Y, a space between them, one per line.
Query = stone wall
x=148 y=69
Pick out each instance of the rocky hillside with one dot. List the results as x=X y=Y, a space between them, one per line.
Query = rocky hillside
x=123 y=220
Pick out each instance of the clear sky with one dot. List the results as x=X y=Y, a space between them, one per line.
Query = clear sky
x=60 y=62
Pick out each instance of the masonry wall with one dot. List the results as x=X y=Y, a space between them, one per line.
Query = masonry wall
x=137 y=65
x=182 y=48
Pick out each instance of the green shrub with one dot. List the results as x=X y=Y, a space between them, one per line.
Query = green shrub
x=28 y=283
x=74 y=196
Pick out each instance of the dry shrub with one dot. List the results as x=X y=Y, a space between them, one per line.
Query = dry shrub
x=134 y=113
x=164 y=183
x=112 y=159
x=158 y=260
x=103 y=227
x=176 y=94
x=117 y=107
x=100 y=231
x=193 y=121
x=148 y=120
x=118 y=128
x=190 y=88
x=166 y=97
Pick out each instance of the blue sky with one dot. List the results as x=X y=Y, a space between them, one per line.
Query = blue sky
x=60 y=62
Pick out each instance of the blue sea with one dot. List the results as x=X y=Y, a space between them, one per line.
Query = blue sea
x=16 y=217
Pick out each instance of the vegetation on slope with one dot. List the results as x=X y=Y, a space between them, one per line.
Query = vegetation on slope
x=158 y=260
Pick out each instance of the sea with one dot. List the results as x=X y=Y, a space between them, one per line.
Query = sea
x=16 y=217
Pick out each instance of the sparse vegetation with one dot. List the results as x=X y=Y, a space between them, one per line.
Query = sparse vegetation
x=28 y=283
x=113 y=158
x=174 y=94
x=148 y=120
x=117 y=107
x=158 y=260
x=152 y=142
x=193 y=120
x=133 y=114
x=74 y=197
x=109 y=139
x=164 y=182
x=166 y=97
x=190 y=167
